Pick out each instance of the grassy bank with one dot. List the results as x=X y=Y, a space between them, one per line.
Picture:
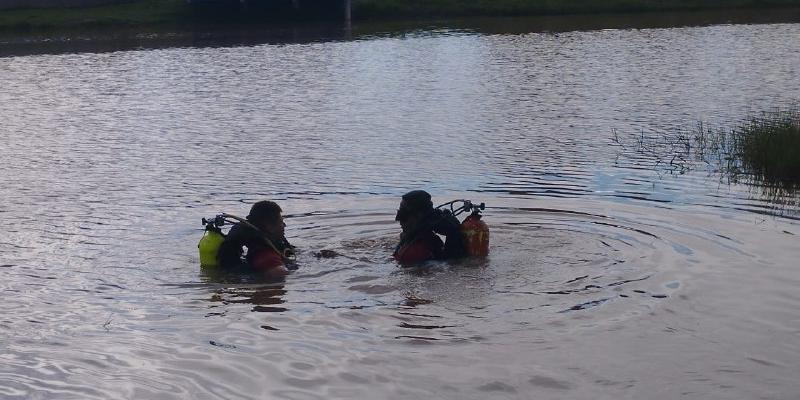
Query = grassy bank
x=149 y=13
x=139 y=13
x=416 y=8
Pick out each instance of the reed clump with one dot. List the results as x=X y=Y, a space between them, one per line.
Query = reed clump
x=768 y=147
x=762 y=151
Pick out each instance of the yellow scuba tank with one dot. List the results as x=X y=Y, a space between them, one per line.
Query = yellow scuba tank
x=209 y=247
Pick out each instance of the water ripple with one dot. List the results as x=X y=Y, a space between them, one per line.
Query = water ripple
x=598 y=253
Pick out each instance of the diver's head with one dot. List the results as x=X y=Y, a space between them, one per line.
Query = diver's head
x=415 y=206
x=266 y=215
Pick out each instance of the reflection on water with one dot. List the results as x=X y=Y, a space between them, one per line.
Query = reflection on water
x=263 y=299
x=601 y=270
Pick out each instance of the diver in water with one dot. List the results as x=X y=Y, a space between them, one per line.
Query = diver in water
x=420 y=223
x=262 y=232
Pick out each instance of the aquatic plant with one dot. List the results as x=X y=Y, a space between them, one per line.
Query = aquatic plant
x=768 y=147
x=762 y=151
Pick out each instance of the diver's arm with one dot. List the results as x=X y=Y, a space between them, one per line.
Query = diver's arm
x=289 y=253
x=230 y=251
x=277 y=272
x=449 y=226
x=454 y=246
x=270 y=263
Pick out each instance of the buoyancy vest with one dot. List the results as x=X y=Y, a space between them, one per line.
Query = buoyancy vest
x=425 y=246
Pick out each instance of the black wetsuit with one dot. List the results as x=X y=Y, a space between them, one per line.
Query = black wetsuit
x=241 y=235
x=439 y=222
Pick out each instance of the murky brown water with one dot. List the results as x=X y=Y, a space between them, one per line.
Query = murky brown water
x=609 y=276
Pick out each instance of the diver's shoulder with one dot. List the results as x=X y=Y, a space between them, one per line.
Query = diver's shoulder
x=240 y=230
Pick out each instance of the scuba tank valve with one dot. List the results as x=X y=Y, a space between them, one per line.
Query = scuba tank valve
x=474 y=231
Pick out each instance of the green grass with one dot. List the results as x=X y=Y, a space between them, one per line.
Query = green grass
x=763 y=149
x=415 y=8
x=768 y=147
x=145 y=13
x=140 y=13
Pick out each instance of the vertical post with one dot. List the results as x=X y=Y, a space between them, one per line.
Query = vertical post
x=296 y=4
x=348 y=10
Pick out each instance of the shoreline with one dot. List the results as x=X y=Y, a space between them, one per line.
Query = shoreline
x=179 y=15
x=122 y=38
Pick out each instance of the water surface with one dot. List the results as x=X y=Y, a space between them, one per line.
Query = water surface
x=610 y=276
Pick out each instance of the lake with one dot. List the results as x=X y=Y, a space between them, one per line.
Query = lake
x=613 y=272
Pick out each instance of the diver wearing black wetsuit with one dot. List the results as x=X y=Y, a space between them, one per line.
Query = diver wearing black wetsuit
x=421 y=223
x=258 y=241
